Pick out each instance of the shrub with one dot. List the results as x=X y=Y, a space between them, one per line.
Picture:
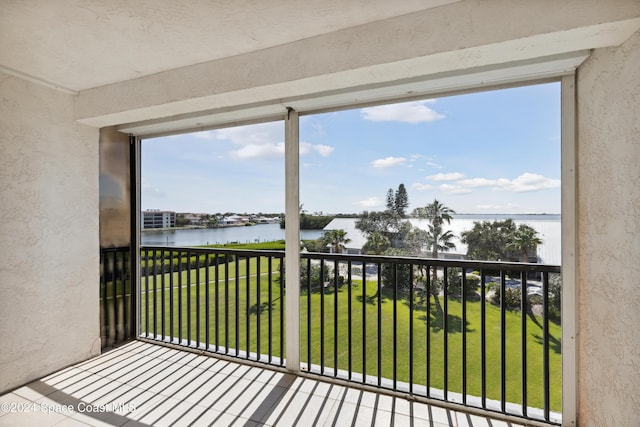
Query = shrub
x=454 y=283
x=535 y=300
x=402 y=273
x=512 y=297
x=555 y=297
x=317 y=276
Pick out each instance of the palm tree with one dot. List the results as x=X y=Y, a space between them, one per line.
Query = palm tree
x=439 y=240
x=525 y=239
x=336 y=239
x=376 y=244
x=436 y=213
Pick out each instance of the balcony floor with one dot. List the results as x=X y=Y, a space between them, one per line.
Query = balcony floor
x=146 y=384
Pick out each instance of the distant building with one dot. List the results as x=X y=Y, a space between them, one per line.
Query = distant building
x=195 y=219
x=158 y=219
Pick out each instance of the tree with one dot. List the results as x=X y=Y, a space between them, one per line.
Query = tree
x=316 y=276
x=438 y=240
x=415 y=241
x=388 y=223
x=390 y=200
x=396 y=274
x=454 y=282
x=376 y=244
x=555 y=297
x=401 y=201
x=436 y=213
x=385 y=223
x=336 y=239
x=397 y=202
x=181 y=221
x=523 y=241
x=489 y=240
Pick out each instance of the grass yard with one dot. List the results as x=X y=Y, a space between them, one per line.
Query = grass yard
x=228 y=328
x=435 y=336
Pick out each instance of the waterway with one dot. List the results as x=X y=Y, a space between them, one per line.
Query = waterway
x=209 y=236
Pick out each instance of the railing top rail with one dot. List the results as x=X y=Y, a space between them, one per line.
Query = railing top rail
x=387 y=259
x=201 y=250
x=392 y=259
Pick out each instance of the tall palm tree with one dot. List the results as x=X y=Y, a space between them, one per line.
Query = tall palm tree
x=525 y=239
x=436 y=213
x=439 y=240
x=336 y=239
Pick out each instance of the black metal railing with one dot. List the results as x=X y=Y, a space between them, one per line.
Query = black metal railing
x=117 y=315
x=228 y=302
x=480 y=334
x=430 y=328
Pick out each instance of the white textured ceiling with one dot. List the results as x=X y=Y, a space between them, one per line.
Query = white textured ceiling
x=82 y=44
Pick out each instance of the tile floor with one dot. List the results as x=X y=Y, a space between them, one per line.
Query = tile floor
x=145 y=384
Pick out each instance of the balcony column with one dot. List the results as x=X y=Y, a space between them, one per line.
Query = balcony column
x=292 y=240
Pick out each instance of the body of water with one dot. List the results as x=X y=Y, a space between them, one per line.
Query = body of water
x=209 y=236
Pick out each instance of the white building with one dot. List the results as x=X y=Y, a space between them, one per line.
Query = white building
x=158 y=219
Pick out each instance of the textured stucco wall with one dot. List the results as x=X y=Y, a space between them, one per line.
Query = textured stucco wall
x=49 y=255
x=609 y=236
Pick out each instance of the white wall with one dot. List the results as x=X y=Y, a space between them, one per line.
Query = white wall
x=49 y=245
x=609 y=236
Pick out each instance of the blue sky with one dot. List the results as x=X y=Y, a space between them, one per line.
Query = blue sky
x=486 y=152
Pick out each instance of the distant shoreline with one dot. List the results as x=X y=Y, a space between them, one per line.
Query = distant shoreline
x=538 y=217
x=199 y=227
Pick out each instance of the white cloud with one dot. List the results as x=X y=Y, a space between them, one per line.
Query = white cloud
x=452 y=176
x=527 y=182
x=264 y=151
x=476 y=182
x=323 y=150
x=262 y=133
x=434 y=165
x=454 y=189
x=371 y=202
x=421 y=187
x=388 y=162
x=407 y=112
x=524 y=183
x=263 y=140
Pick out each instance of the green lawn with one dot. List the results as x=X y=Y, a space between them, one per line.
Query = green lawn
x=436 y=343
x=363 y=300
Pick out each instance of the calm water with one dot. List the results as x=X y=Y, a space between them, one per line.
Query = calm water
x=210 y=236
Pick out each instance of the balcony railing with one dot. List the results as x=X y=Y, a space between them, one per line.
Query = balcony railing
x=117 y=320
x=480 y=334
x=227 y=302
